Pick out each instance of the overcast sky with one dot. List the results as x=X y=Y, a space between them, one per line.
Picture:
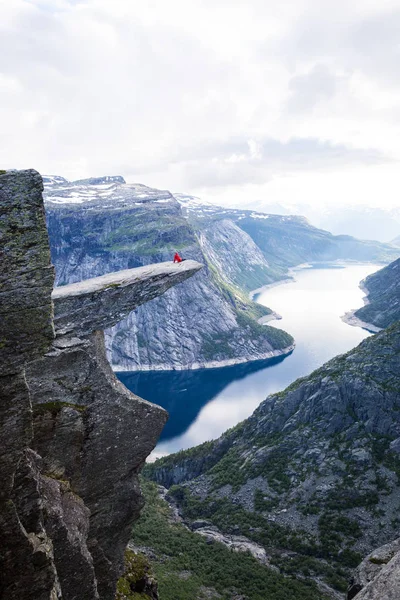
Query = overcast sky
x=230 y=100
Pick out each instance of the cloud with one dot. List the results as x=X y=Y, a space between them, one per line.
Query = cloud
x=307 y=90
x=240 y=161
x=206 y=94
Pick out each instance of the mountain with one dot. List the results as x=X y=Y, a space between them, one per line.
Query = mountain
x=289 y=240
x=100 y=225
x=103 y=225
x=72 y=438
x=313 y=476
x=382 y=303
x=362 y=221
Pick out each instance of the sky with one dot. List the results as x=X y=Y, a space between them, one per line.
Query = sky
x=233 y=101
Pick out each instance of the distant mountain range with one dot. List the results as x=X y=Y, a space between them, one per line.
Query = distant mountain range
x=362 y=221
x=102 y=224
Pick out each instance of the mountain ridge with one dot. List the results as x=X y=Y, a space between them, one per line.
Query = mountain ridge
x=101 y=225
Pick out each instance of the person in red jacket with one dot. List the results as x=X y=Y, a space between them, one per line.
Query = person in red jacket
x=177 y=258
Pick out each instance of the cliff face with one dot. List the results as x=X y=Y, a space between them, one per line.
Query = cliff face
x=378 y=576
x=99 y=227
x=246 y=267
x=26 y=279
x=73 y=439
x=383 y=301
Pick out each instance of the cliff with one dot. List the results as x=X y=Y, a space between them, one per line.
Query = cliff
x=73 y=439
x=378 y=576
x=99 y=226
x=383 y=299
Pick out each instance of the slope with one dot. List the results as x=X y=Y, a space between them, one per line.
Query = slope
x=313 y=475
x=383 y=300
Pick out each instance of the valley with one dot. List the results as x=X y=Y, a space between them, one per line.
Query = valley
x=312 y=475
x=309 y=480
x=202 y=404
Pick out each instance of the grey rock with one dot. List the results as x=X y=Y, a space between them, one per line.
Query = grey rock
x=101 y=302
x=27 y=567
x=72 y=438
x=378 y=576
x=92 y=432
x=382 y=303
x=234 y=542
x=26 y=275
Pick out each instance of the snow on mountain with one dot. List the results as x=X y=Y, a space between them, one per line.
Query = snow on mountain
x=96 y=190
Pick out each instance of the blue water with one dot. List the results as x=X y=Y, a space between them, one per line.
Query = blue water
x=204 y=403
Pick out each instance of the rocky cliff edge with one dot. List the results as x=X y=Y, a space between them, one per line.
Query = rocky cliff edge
x=72 y=437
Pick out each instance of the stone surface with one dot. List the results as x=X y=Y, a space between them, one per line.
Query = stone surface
x=26 y=275
x=72 y=438
x=101 y=302
x=26 y=331
x=92 y=432
x=378 y=576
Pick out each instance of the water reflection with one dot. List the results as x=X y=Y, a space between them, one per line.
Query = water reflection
x=202 y=404
x=184 y=393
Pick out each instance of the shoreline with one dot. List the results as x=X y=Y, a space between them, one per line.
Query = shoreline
x=350 y=318
x=213 y=364
x=290 y=278
x=268 y=286
x=290 y=275
x=274 y=316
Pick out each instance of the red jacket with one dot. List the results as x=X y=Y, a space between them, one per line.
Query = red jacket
x=177 y=258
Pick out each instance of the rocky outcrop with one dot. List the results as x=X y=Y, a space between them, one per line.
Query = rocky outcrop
x=72 y=437
x=382 y=304
x=26 y=274
x=378 y=576
x=101 y=226
x=102 y=302
x=26 y=280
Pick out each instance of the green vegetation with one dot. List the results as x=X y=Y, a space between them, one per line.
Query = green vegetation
x=383 y=308
x=263 y=503
x=307 y=566
x=136 y=568
x=186 y=562
x=232 y=518
x=146 y=237
x=335 y=529
x=217 y=346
